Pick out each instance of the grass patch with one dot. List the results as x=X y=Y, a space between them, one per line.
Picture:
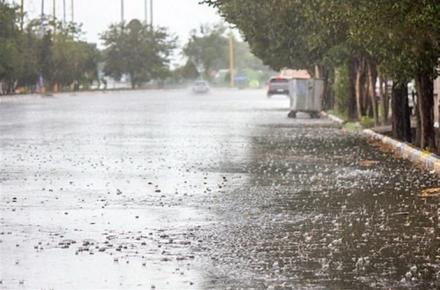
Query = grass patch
x=367 y=122
x=353 y=126
x=338 y=114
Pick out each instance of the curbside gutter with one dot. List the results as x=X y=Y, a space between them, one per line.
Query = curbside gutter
x=428 y=160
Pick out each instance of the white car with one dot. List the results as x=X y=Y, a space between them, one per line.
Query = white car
x=200 y=87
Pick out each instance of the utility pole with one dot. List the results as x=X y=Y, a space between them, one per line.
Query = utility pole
x=22 y=14
x=122 y=11
x=42 y=9
x=146 y=11
x=151 y=13
x=64 y=12
x=73 y=11
x=231 y=59
x=54 y=15
x=42 y=28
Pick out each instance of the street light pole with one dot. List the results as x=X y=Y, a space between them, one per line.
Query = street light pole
x=146 y=11
x=73 y=10
x=64 y=11
x=54 y=15
x=231 y=59
x=42 y=9
x=42 y=18
x=21 y=14
x=122 y=11
x=151 y=13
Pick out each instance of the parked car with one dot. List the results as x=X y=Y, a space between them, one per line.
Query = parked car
x=278 y=86
x=200 y=87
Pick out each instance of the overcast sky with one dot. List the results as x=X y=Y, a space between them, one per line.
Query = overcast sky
x=180 y=16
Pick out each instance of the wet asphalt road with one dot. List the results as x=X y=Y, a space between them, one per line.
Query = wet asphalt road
x=169 y=190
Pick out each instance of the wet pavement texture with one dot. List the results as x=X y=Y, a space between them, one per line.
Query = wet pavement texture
x=169 y=190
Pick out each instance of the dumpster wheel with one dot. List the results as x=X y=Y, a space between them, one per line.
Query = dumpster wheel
x=292 y=115
x=314 y=115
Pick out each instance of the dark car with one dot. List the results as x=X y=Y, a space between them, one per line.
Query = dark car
x=278 y=86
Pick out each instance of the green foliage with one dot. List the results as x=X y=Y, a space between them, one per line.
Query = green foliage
x=138 y=51
x=279 y=32
x=353 y=127
x=9 y=45
x=402 y=36
x=208 y=49
x=367 y=122
x=340 y=87
x=46 y=48
x=186 y=72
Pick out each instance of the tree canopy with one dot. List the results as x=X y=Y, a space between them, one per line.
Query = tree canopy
x=137 y=50
x=398 y=39
x=45 y=49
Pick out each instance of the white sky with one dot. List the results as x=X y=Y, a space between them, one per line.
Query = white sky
x=180 y=16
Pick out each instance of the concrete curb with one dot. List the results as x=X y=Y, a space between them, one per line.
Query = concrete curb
x=428 y=160
x=333 y=118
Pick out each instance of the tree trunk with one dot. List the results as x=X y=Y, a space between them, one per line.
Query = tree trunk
x=425 y=100
x=418 y=120
x=132 y=81
x=383 y=91
x=358 y=90
x=361 y=96
x=322 y=73
x=401 y=117
x=351 y=93
x=372 y=78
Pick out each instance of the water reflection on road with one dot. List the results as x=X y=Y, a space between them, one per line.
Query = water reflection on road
x=169 y=190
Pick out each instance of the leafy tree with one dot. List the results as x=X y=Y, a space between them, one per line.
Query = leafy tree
x=404 y=37
x=9 y=46
x=186 y=72
x=284 y=34
x=74 y=61
x=208 y=49
x=30 y=46
x=46 y=48
x=399 y=38
x=137 y=50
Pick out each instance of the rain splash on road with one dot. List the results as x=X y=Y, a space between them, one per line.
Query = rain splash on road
x=168 y=190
